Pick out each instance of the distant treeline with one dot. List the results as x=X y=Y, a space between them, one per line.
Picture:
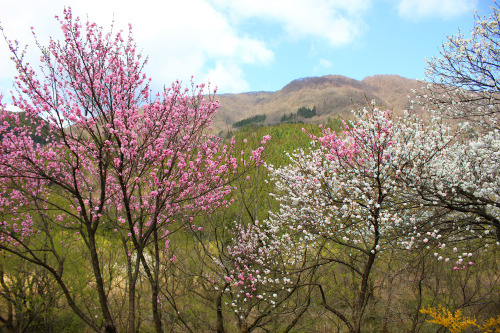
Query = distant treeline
x=301 y=112
x=306 y=112
x=260 y=118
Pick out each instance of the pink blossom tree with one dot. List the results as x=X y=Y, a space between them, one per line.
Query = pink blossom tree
x=114 y=163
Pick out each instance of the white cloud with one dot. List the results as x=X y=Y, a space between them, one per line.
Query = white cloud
x=12 y=108
x=338 y=22
x=446 y=9
x=322 y=66
x=227 y=77
x=180 y=37
x=324 y=63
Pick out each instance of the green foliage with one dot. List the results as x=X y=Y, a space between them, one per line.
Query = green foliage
x=335 y=124
x=288 y=118
x=30 y=300
x=260 y=118
x=306 y=112
x=285 y=138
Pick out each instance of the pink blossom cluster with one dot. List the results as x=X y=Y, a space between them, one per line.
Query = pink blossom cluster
x=113 y=156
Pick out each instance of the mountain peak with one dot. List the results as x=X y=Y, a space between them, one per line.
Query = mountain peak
x=332 y=95
x=320 y=82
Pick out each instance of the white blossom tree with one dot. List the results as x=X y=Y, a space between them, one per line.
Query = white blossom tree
x=463 y=180
x=465 y=79
x=341 y=202
x=464 y=177
x=351 y=198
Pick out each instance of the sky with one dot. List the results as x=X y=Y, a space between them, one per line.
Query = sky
x=256 y=45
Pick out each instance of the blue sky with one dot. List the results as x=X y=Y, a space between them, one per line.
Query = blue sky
x=254 y=45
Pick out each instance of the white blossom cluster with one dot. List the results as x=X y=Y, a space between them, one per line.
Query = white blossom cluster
x=464 y=79
x=384 y=183
x=258 y=274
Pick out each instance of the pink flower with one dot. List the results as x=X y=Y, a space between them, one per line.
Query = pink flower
x=265 y=138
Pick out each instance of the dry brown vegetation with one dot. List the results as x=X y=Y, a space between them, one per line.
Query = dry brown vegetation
x=332 y=95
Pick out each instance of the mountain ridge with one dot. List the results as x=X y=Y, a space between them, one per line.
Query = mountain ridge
x=332 y=95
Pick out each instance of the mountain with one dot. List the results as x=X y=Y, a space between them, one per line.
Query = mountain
x=332 y=95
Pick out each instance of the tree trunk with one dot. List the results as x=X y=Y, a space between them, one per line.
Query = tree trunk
x=220 y=319
x=109 y=326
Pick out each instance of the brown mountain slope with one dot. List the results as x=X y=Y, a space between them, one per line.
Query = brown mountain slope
x=332 y=95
